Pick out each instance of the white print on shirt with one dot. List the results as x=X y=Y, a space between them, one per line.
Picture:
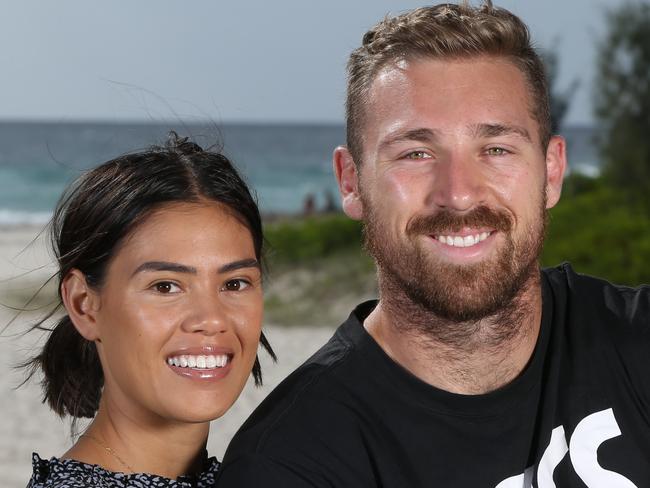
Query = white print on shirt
x=554 y=453
x=588 y=435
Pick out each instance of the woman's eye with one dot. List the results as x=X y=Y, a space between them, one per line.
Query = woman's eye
x=496 y=151
x=166 y=287
x=236 y=285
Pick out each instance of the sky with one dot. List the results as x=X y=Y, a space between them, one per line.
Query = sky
x=228 y=61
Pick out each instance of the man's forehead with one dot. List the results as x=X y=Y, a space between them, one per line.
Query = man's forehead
x=428 y=80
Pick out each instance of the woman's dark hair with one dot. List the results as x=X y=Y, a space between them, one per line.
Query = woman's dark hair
x=93 y=217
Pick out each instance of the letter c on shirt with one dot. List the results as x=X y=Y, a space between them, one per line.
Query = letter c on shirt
x=588 y=435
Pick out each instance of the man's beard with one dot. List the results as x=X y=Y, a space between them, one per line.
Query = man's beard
x=452 y=293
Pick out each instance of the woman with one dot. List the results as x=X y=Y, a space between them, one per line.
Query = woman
x=159 y=257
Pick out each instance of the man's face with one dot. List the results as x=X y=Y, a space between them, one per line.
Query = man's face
x=453 y=185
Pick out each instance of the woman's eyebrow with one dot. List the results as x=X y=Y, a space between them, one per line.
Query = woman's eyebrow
x=242 y=263
x=164 y=266
x=182 y=268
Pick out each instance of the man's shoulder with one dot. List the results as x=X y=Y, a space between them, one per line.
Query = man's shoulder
x=311 y=395
x=314 y=406
x=598 y=297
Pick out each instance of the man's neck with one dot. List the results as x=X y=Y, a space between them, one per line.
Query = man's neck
x=476 y=358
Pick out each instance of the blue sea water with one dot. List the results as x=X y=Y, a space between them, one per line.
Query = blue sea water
x=283 y=163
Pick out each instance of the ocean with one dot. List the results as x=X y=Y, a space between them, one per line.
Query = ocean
x=284 y=163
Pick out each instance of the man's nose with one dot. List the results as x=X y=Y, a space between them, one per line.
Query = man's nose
x=457 y=183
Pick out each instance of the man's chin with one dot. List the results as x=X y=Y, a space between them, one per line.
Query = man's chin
x=461 y=303
x=470 y=277
x=471 y=292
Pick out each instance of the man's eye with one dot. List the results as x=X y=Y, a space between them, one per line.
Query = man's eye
x=496 y=151
x=417 y=155
x=236 y=285
x=166 y=287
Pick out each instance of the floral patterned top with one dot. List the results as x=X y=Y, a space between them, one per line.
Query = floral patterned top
x=68 y=473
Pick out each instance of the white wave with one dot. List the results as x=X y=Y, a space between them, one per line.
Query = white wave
x=10 y=218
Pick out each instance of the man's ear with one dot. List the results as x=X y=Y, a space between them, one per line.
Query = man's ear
x=555 y=167
x=82 y=303
x=347 y=177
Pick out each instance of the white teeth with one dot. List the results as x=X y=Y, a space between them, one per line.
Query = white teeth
x=199 y=361
x=467 y=241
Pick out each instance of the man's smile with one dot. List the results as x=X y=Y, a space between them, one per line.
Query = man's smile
x=462 y=240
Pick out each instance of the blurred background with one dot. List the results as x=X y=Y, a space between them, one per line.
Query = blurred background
x=83 y=82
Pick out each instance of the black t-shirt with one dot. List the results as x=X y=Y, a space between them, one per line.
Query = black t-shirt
x=578 y=415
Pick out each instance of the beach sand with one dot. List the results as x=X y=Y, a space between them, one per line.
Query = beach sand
x=26 y=425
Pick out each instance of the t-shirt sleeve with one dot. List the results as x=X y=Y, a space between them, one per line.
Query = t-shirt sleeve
x=624 y=348
x=636 y=355
x=253 y=470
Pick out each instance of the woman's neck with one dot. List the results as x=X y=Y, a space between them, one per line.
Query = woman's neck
x=127 y=443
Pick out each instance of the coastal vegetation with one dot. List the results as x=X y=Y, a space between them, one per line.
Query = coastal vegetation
x=318 y=270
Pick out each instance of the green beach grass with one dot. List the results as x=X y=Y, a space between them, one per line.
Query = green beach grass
x=317 y=266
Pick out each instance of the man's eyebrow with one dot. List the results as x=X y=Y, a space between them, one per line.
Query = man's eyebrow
x=164 y=266
x=494 y=130
x=242 y=263
x=417 y=135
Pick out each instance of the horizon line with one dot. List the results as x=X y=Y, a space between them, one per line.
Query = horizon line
x=206 y=121
x=142 y=121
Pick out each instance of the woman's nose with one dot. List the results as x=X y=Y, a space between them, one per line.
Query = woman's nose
x=208 y=316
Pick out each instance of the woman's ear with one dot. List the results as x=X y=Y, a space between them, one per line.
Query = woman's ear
x=81 y=303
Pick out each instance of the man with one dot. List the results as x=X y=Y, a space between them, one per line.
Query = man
x=475 y=368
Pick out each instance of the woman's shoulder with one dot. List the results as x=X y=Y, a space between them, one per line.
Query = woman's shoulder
x=63 y=473
x=68 y=473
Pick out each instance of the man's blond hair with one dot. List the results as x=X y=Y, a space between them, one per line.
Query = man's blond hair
x=445 y=31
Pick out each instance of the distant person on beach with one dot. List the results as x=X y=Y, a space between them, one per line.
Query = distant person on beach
x=475 y=368
x=159 y=256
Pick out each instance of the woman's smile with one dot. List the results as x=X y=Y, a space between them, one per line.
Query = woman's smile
x=210 y=362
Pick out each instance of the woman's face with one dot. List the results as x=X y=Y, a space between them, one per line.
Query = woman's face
x=179 y=315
